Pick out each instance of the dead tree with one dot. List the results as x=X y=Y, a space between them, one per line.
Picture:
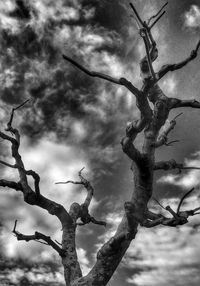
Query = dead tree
x=143 y=167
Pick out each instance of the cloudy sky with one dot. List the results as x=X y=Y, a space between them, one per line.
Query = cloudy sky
x=73 y=120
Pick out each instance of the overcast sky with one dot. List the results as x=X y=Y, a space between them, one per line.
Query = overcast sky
x=73 y=121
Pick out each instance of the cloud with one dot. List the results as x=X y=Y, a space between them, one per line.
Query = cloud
x=169 y=85
x=192 y=17
x=83 y=260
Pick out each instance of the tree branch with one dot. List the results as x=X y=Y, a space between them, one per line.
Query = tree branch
x=171 y=165
x=37 y=237
x=136 y=14
x=81 y=211
x=144 y=35
x=11 y=185
x=121 y=81
x=162 y=138
x=176 y=103
x=153 y=24
x=173 y=67
x=30 y=197
x=179 y=218
x=182 y=199
x=156 y=15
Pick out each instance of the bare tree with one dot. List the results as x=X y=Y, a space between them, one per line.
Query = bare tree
x=143 y=167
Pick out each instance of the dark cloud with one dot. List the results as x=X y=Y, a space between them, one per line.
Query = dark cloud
x=22 y=10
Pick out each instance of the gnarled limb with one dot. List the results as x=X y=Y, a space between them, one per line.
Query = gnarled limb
x=173 y=67
x=32 y=173
x=171 y=165
x=162 y=138
x=38 y=236
x=178 y=217
x=70 y=262
x=176 y=103
x=11 y=185
x=81 y=211
x=30 y=197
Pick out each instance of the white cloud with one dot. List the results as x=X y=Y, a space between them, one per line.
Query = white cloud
x=83 y=260
x=6 y=22
x=169 y=85
x=192 y=17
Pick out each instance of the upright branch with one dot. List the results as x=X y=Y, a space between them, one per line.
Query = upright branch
x=144 y=35
x=178 y=217
x=82 y=211
x=162 y=139
x=157 y=14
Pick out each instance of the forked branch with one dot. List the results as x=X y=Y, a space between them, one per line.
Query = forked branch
x=178 y=217
x=30 y=197
x=39 y=237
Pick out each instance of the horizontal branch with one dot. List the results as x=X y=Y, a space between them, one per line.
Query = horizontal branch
x=171 y=165
x=176 y=103
x=37 y=237
x=11 y=185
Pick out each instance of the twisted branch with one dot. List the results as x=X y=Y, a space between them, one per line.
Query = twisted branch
x=173 y=67
x=81 y=211
x=171 y=165
x=162 y=139
x=37 y=237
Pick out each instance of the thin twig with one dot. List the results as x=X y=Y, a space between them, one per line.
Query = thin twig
x=197 y=47
x=154 y=16
x=156 y=20
x=136 y=14
x=183 y=198
x=158 y=203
